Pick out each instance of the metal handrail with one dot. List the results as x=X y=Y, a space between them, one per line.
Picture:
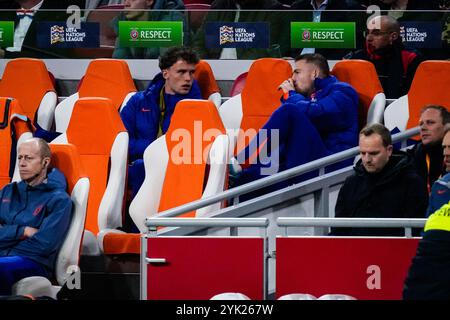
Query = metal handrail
x=278 y=177
x=207 y=222
x=352 y=222
x=405 y=223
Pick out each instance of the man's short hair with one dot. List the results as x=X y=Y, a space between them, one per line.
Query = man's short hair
x=44 y=149
x=391 y=24
x=446 y=129
x=172 y=55
x=445 y=115
x=378 y=128
x=317 y=59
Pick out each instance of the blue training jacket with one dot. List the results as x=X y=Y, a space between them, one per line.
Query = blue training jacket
x=46 y=207
x=440 y=194
x=141 y=115
x=308 y=128
x=333 y=111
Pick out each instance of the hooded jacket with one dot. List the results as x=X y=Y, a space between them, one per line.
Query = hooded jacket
x=141 y=115
x=333 y=110
x=307 y=128
x=46 y=207
x=395 y=192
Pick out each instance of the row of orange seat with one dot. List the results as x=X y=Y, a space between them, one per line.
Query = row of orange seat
x=89 y=120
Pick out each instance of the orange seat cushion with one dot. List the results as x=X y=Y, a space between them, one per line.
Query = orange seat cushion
x=260 y=96
x=65 y=157
x=194 y=126
x=26 y=80
x=93 y=128
x=430 y=86
x=362 y=76
x=119 y=243
x=205 y=78
x=108 y=78
x=11 y=122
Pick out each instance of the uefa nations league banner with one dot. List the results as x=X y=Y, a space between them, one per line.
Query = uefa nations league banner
x=6 y=34
x=59 y=35
x=150 y=33
x=237 y=35
x=323 y=35
x=419 y=34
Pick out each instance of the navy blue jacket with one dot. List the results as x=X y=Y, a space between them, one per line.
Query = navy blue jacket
x=141 y=115
x=307 y=128
x=46 y=207
x=333 y=111
x=440 y=194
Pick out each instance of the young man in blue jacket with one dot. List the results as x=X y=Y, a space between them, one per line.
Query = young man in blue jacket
x=147 y=114
x=35 y=215
x=318 y=116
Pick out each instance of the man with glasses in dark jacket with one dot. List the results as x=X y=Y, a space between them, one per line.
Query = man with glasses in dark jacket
x=395 y=65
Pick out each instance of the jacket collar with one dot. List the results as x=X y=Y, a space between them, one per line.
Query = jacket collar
x=321 y=83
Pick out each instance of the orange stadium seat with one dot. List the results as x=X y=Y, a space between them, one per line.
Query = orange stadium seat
x=430 y=86
x=105 y=78
x=66 y=159
x=29 y=81
x=188 y=163
x=250 y=110
x=97 y=131
x=14 y=128
x=363 y=77
x=207 y=82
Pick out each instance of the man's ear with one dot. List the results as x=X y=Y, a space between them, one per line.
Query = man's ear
x=165 y=73
x=316 y=73
x=394 y=36
x=46 y=162
x=390 y=148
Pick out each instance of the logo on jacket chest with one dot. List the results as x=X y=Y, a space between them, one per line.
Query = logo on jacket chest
x=38 y=210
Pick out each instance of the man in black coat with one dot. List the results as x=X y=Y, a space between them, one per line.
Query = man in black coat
x=384 y=185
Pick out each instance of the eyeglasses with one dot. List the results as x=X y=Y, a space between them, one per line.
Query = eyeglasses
x=375 y=33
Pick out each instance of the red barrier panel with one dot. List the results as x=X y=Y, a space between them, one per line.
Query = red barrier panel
x=197 y=268
x=365 y=268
